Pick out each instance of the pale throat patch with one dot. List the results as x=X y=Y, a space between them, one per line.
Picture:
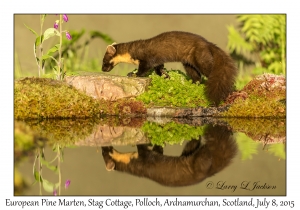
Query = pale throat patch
x=123 y=157
x=124 y=58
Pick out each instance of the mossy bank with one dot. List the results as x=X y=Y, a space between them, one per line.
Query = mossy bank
x=42 y=98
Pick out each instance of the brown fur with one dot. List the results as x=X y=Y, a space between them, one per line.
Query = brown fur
x=200 y=158
x=198 y=56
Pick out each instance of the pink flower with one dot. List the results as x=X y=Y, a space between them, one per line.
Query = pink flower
x=68 y=35
x=55 y=25
x=68 y=182
x=65 y=17
x=55 y=192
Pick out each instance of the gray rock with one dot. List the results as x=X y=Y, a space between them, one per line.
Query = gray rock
x=109 y=87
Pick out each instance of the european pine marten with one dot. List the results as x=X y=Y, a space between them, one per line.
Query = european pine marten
x=200 y=158
x=198 y=56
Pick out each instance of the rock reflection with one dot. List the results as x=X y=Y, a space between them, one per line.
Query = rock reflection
x=200 y=158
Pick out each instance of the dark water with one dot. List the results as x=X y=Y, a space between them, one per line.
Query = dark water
x=198 y=156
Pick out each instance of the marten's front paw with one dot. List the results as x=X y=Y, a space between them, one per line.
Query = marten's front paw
x=131 y=74
x=165 y=74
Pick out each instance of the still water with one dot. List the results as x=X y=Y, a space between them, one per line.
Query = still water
x=137 y=156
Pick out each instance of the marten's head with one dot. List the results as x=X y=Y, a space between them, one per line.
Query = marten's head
x=108 y=61
x=117 y=54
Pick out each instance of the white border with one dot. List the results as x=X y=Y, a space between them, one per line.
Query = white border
x=8 y=8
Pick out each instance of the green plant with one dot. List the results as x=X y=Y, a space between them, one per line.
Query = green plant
x=171 y=133
x=38 y=175
x=246 y=145
x=176 y=91
x=76 y=53
x=262 y=35
x=50 y=32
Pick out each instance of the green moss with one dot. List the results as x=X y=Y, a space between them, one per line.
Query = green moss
x=171 y=133
x=259 y=126
x=23 y=138
x=26 y=140
x=264 y=96
x=64 y=132
x=37 y=98
x=176 y=91
x=256 y=107
x=42 y=98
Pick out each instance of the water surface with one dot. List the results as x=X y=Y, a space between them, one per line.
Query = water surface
x=136 y=156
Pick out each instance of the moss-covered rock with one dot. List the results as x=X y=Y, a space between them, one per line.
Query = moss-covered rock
x=48 y=98
x=42 y=98
x=264 y=96
x=37 y=98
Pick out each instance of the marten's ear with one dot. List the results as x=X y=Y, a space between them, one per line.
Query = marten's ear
x=110 y=49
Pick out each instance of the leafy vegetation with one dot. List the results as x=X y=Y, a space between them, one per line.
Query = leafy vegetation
x=262 y=36
x=246 y=145
x=76 y=53
x=278 y=150
x=259 y=133
x=171 y=132
x=176 y=91
x=63 y=59
x=43 y=36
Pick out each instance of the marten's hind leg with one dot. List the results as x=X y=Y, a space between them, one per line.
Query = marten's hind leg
x=159 y=70
x=192 y=73
x=191 y=147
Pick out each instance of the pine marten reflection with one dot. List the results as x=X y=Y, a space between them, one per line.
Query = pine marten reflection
x=200 y=158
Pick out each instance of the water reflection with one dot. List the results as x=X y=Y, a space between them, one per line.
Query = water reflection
x=221 y=147
x=200 y=158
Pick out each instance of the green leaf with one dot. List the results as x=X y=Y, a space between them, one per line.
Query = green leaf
x=50 y=32
x=52 y=168
x=36 y=175
x=54 y=148
x=43 y=17
x=44 y=57
x=48 y=186
x=61 y=155
x=30 y=29
x=246 y=145
x=278 y=150
x=236 y=42
x=38 y=40
x=53 y=49
x=105 y=37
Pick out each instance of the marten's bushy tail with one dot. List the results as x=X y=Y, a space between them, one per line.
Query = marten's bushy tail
x=220 y=81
